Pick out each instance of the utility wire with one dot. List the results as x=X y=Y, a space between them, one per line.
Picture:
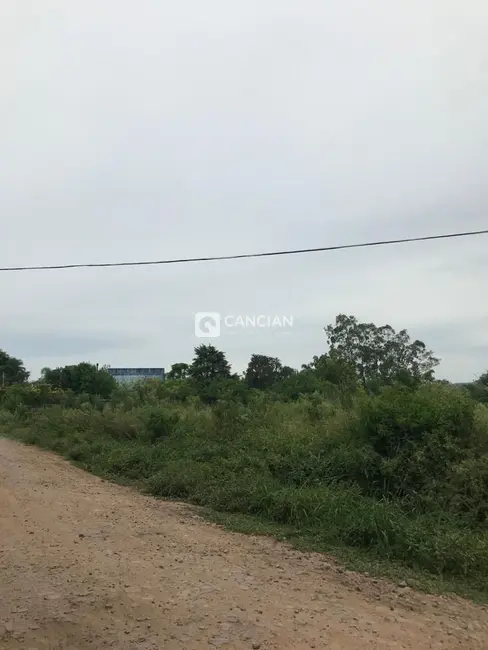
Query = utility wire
x=246 y=255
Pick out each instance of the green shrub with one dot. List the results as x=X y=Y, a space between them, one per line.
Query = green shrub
x=400 y=417
x=402 y=474
x=418 y=434
x=159 y=422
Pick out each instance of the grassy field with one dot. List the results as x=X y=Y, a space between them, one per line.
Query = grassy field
x=395 y=484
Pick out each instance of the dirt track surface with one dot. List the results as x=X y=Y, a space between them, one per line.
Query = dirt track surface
x=88 y=564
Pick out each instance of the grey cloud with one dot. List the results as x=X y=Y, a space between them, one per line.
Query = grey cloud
x=205 y=129
x=58 y=345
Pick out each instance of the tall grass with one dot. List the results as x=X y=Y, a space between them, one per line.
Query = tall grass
x=403 y=475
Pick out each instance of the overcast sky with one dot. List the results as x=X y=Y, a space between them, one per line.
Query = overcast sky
x=155 y=129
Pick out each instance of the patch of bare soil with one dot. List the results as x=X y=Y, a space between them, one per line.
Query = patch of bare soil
x=88 y=564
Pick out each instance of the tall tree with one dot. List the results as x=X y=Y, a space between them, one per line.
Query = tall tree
x=298 y=383
x=81 y=378
x=335 y=370
x=379 y=354
x=209 y=364
x=263 y=372
x=179 y=371
x=287 y=371
x=483 y=379
x=479 y=388
x=12 y=370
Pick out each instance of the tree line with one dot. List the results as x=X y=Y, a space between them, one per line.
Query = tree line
x=360 y=447
x=359 y=356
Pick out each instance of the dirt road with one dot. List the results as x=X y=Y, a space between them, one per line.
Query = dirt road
x=88 y=564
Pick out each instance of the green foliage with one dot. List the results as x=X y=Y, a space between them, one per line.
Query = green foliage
x=379 y=354
x=483 y=379
x=337 y=371
x=209 y=364
x=81 y=378
x=298 y=384
x=467 y=489
x=12 y=370
x=19 y=397
x=422 y=439
x=159 y=422
x=179 y=371
x=479 y=388
x=360 y=448
x=403 y=474
x=264 y=372
x=401 y=418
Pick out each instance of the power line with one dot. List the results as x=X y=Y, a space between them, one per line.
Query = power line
x=246 y=255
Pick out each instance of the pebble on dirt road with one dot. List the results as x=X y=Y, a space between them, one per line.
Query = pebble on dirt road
x=147 y=574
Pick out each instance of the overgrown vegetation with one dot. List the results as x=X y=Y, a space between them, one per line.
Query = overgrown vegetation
x=361 y=448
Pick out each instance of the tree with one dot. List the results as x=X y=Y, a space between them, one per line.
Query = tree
x=297 y=384
x=287 y=371
x=263 y=372
x=479 y=389
x=179 y=371
x=12 y=370
x=379 y=354
x=81 y=378
x=335 y=370
x=483 y=379
x=209 y=364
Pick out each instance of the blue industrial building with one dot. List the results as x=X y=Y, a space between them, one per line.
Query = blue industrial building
x=132 y=375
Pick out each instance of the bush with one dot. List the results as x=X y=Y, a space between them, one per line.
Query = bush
x=417 y=435
x=400 y=417
x=159 y=422
x=402 y=474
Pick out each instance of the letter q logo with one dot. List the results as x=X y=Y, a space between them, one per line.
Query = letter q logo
x=207 y=324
